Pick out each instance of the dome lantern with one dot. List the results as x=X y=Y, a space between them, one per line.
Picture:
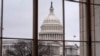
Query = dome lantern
x=51 y=8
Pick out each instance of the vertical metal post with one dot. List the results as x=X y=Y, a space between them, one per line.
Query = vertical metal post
x=1 y=28
x=88 y=25
x=49 y=49
x=63 y=13
x=35 y=27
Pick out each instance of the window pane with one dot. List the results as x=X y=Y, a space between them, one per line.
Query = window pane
x=72 y=21
x=17 y=47
x=72 y=48
x=17 y=18
x=50 y=27
x=50 y=48
x=77 y=48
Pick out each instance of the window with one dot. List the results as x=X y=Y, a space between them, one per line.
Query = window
x=50 y=28
x=60 y=28
x=17 y=37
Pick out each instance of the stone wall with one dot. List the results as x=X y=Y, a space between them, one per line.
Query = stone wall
x=95 y=28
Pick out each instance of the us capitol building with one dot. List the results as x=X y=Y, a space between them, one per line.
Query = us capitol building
x=52 y=29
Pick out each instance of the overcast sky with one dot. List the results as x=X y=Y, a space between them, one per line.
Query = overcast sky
x=18 y=17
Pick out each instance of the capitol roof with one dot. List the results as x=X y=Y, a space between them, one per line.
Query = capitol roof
x=51 y=18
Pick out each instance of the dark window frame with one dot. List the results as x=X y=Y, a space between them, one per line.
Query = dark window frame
x=35 y=26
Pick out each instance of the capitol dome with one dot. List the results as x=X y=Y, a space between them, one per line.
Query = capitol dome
x=51 y=19
x=51 y=23
x=51 y=29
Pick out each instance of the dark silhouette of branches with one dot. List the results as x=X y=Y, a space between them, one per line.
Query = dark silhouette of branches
x=21 y=48
x=24 y=48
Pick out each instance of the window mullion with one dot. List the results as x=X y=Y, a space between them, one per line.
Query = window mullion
x=35 y=27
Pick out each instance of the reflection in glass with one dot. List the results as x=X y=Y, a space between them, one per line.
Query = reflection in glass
x=18 y=18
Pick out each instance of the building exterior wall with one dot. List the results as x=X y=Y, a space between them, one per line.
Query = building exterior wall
x=95 y=28
x=82 y=29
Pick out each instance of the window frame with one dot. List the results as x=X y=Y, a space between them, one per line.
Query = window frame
x=35 y=27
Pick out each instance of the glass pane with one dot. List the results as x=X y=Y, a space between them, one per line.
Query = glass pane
x=72 y=28
x=17 y=47
x=18 y=18
x=73 y=48
x=50 y=28
x=50 y=48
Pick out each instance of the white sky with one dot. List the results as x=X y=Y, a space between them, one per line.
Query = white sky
x=18 y=17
